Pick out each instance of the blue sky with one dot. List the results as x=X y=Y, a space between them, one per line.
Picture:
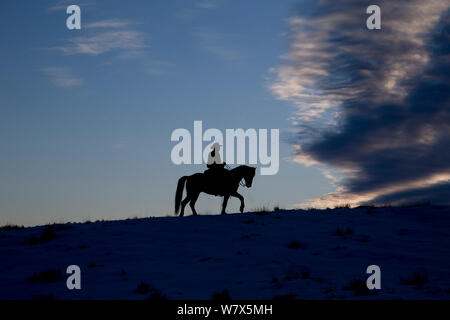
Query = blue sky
x=87 y=114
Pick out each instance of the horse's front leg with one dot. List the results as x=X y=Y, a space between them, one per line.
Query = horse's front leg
x=224 y=204
x=240 y=197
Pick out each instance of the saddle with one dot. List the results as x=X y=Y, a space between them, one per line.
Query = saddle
x=215 y=175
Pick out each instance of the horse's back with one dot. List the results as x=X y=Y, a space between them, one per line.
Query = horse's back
x=196 y=177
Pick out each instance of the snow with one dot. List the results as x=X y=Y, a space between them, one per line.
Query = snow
x=254 y=256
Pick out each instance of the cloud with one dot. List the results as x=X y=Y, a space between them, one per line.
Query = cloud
x=63 y=4
x=191 y=12
x=57 y=7
x=206 y=4
x=158 y=67
x=62 y=76
x=105 y=36
x=123 y=40
x=108 y=23
x=219 y=44
x=433 y=194
x=372 y=104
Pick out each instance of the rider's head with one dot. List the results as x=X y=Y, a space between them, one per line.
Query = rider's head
x=215 y=146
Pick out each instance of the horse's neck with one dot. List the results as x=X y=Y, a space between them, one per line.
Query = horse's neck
x=239 y=172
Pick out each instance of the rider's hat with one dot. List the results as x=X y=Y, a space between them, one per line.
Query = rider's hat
x=216 y=145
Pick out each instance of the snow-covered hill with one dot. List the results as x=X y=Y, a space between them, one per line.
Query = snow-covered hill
x=314 y=254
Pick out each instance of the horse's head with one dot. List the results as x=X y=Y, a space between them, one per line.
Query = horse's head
x=249 y=175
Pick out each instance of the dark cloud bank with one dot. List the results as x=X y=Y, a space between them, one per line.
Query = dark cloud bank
x=387 y=91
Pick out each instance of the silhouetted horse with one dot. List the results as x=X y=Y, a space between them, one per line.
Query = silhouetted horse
x=225 y=187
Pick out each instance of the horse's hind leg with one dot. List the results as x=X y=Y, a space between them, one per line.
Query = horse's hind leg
x=183 y=204
x=194 y=198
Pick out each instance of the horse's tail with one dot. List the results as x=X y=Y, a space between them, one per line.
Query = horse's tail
x=179 y=193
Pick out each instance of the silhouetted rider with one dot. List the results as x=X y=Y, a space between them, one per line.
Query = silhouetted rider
x=214 y=160
x=215 y=165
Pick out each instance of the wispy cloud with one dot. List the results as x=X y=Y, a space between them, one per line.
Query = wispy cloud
x=62 y=76
x=105 y=36
x=121 y=40
x=63 y=4
x=327 y=43
x=198 y=7
x=108 y=23
x=158 y=67
x=206 y=4
x=219 y=44
x=371 y=104
x=58 y=7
